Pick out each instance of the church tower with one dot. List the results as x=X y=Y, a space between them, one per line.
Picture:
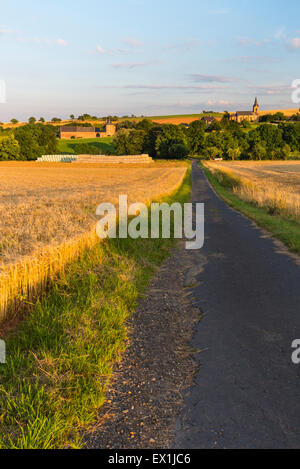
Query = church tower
x=110 y=128
x=256 y=107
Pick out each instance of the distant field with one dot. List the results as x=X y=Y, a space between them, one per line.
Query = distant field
x=69 y=146
x=167 y=119
x=48 y=213
x=275 y=185
x=187 y=119
x=181 y=118
x=286 y=112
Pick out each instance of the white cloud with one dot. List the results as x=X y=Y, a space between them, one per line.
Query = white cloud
x=247 y=59
x=19 y=37
x=197 y=77
x=134 y=65
x=280 y=33
x=203 y=88
x=101 y=50
x=220 y=102
x=61 y=42
x=4 y=31
x=293 y=44
x=133 y=42
x=271 y=90
x=247 y=41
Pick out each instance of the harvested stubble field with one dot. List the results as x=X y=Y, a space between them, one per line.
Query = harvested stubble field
x=274 y=185
x=48 y=215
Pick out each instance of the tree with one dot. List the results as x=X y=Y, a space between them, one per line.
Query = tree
x=286 y=151
x=150 y=140
x=14 y=121
x=291 y=135
x=215 y=140
x=234 y=153
x=178 y=151
x=42 y=120
x=245 y=124
x=145 y=124
x=213 y=153
x=85 y=117
x=258 y=151
x=55 y=119
x=36 y=140
x=215 y=126
x=196 y=136
x=225 y=118
x=72 y=117
x=46 y=136
x=130 y=142
x=9 y=148
x=269 y=135
x=168 y=136
x=126 y=124
x=32 y=120
x=277 y=117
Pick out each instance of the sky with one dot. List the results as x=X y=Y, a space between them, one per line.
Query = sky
x=156 y=57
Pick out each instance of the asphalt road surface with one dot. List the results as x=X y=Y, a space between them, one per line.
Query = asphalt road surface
x=247 y=390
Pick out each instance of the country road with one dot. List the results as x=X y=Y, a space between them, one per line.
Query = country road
x=246 y=392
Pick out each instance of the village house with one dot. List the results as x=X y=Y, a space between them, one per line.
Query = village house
x=87 y=132
x=208 y=120
x=250 y=116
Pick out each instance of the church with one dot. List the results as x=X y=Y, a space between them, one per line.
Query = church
x=250 y=116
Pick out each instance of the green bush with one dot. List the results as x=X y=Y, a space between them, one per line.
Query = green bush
x=9 y=148
x=178 y=151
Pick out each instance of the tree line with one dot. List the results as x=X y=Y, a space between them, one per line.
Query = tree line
x=225 y=139
x=28 y=142
x=222 y=139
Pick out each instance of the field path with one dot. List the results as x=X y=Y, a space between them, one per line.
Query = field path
x=247 y=391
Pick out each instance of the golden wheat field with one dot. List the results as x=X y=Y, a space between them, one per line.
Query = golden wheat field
x=275 y=185
x=48 y=215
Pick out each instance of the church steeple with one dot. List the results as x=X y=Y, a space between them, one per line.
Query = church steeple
x=256 y=106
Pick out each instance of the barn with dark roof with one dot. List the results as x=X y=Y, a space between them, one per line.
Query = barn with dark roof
x=70 y=132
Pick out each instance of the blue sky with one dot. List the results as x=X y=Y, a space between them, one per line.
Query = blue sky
x=146 y=57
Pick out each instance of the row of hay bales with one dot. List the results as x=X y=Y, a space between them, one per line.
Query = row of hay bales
x=95 y=159
x=57 y=159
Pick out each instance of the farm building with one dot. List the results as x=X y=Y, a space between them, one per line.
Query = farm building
x=250 y=116
x=208 y=120
x=87 y=132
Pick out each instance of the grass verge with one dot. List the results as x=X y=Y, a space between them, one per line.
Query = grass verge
x=60 y=359
x=288 y=231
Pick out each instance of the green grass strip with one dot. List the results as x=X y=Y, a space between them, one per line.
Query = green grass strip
x=60 y=359
x=288 y=231
x=69 y=146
